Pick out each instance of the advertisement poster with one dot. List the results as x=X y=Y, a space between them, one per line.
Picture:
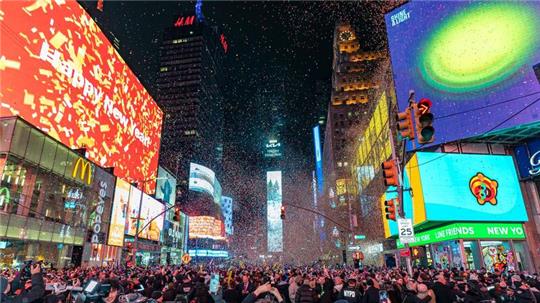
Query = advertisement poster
x=201 y=179
x=473 y=59
x=61 y=74
x=152 y=218
x=275 y=224
x=206 y=227
x=166 y=186
x=133 y=210
x=101 y=201
x=119 y=213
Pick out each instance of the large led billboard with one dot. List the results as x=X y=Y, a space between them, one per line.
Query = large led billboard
x=227 y=211
x=119 y=213
x=201 y=179
x=318 y=159
x=166 y=186
x=152 y=218
x=206 y=227
x=135 y=200
x=60 y=73
x=447 y=187
x=273 y=211
x=474 y=60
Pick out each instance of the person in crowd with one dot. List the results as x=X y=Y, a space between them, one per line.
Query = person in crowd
x=371 y=294
x=351 y=292
x=17 y=291
x=246 y=287
x=296 y=282
x=230 y=294
x=306 y=292
x=442 y=291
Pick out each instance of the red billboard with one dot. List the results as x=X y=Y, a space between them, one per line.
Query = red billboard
x=59 y=72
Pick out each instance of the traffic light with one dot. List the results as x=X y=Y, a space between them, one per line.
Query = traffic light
x=405 y=124
x=177 y=214
x=424 y=121
x=390 y=209
x=390 y=173
x=282 y=213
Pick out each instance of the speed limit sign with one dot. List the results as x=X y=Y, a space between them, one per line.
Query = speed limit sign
x=406 y=230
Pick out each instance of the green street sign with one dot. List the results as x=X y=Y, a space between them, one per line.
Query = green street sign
x=359 y=237
x=468 y=231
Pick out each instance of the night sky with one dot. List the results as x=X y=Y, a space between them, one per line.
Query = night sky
x=294 y=35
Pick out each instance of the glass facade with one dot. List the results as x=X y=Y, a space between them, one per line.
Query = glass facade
x=49 y=197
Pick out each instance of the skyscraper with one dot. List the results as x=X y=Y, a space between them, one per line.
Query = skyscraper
x=190 y=93
x=353 y=84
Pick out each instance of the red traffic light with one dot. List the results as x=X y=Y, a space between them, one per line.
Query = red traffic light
x=390 y=173
x=405 y=124
x=424 y=121
x=424 y=105
x=390 y=209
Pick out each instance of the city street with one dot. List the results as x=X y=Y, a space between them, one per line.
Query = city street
x=269 y=151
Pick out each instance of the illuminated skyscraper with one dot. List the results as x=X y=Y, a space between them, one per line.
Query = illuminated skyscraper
x=190 y=93
x=353 y=85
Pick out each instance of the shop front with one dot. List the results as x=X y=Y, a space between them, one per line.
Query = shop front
x=494 y=246
x=54 y=203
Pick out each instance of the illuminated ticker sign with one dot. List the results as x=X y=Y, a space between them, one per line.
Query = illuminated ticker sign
x=183 y=21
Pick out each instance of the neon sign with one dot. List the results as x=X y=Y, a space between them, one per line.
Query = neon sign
x=535 y=164
x=99 y=212
x=183 y=21
x=223 y=42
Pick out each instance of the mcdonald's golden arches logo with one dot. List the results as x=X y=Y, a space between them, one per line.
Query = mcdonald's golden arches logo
x=85 y=168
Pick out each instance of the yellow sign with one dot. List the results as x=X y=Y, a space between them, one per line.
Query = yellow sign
x=186 y=258
x=86 y=167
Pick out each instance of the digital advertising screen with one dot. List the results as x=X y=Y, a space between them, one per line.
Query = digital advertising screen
x=528 y=158
x=101 y=200
x=206 y=227
x=119 y=213
x=135 y=197
x=201 y=179
x=166 y=186
x=318 y=159
x=273 y=211
x=152 y=218
x=473 y=59
x=60 y=73
x=227 y=211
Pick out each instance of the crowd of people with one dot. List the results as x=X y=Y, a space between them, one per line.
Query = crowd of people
x=266 y=284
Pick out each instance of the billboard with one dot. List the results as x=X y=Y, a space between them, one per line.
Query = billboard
x=318 y=159
x=100 y=202
x=201 y=179
x=119 y=213
x=166 y=186
x=461 y=187
x=227 y=211
x=206 y=227
x=135 y=200
x=273 y=149
x=60 y=73
x=528 y=159
x=152 y=218
x=474 y=60
x=468 y=231
x=273 y=211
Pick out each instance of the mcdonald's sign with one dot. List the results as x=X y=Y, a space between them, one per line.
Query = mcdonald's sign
x=85 y=168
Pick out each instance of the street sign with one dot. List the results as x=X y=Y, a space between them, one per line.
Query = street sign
x=405 y=253
x=186 y=258
x=405 y=230
x=359 y=237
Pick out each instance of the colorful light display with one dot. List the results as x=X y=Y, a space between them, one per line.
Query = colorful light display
x=119 y=213
x=152 y=218
x=206 y=227
x=60 y=73
x=273 y=211
x=466 y=56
